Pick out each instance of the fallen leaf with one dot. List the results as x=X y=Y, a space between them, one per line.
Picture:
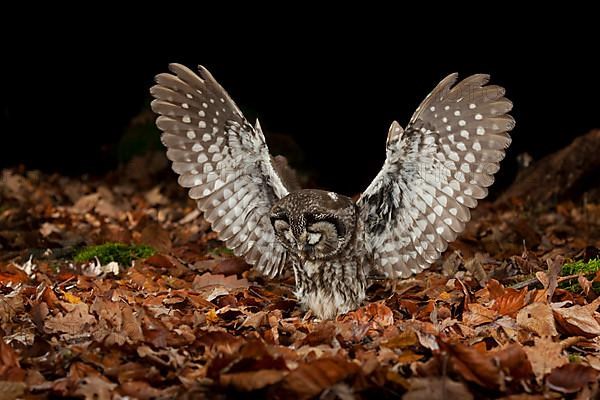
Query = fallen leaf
x=510 y=302
x=322 y=334
x=405 y=339
x=435 y=388
x=76 y=319
x=554 y=268
x=537 y=318
x=579 y=320
x=255 y=320
x=252 y=380
x=154 y=197
x=544 y=356
x=593 y=361
x=376 y=315
x=475 y=267
x=95 y=388
x=10 y=369
x=472 y=365
x=71 y=298
x=585 y=284
x=310 y=379
x=571 y=378
x=408 y=357
x=141 y=390
x=478 y=315
x=11 y=390
x=86 y=203
x=229 y=282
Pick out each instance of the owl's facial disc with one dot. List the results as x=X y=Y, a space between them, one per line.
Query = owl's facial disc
x=313 y=224
x=312 y=240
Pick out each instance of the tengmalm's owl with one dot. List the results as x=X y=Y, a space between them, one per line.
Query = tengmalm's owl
x=435 y=171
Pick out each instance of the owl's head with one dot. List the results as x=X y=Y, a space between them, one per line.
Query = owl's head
x=314 y=224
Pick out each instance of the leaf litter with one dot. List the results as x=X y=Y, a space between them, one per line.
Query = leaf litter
x=491 y=319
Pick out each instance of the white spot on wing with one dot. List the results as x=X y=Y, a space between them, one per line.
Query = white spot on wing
x=197 y=147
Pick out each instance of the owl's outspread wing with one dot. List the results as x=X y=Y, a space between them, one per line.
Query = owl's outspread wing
x=223 y=160
x=435 y=171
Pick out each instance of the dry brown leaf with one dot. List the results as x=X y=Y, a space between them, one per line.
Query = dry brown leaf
x=579 y=320
x=478 y=315
x=435 y=388
x=473 y=366
x=76 y=319
x=585 y=284
x=510 y=302
x=252 y=380
x=255 y=320
x=405 y=339
x=545 y=355
x=208 y=279
x=554 y=268
x=10 y=369
x=537 y=318
x=86 y=203
x=408 y=357
x=12 y=390
x=141 y=390
x=95 y=388
x=154 y=197
x=376 y=315
x=571 y=378
x=322 y=334
x=310 y=379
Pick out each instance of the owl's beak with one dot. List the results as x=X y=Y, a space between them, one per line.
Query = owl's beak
x=301 y=241
x=304 y=249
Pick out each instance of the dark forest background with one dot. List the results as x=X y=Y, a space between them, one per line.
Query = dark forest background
x=324 y=94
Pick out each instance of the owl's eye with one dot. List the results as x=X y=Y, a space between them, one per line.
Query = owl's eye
x=322 y=228
x=281 y=225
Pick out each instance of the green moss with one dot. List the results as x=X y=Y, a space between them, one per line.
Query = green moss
x=121 y=253
x=221 y=251
x=587 y=269
x=581 y=267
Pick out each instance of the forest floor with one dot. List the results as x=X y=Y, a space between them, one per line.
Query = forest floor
x=163 y=310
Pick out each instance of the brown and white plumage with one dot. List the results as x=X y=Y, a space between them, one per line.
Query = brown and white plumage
x=223 y=160
x=435 y=171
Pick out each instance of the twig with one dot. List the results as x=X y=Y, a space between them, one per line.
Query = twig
x=521 y=285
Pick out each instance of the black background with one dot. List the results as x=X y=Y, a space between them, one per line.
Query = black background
x=333 y=84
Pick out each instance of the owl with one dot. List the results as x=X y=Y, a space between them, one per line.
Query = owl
x=435 y=171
